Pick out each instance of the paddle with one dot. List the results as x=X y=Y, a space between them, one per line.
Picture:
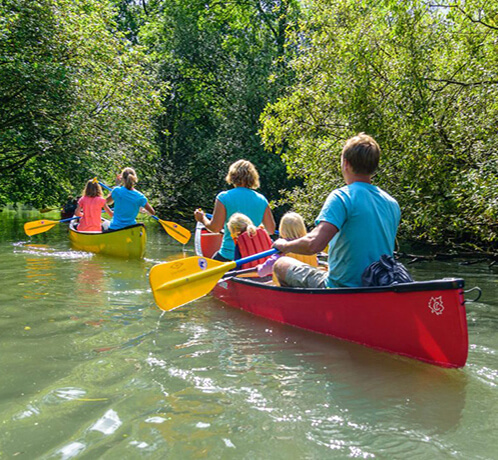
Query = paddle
x=179 y=282
x=176 y=231
x=40 y=226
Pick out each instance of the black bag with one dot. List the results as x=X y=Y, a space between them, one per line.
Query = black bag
x=385 y=272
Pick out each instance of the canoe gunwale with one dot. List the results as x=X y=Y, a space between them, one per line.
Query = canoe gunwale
x=416 y=286
x=107 y=232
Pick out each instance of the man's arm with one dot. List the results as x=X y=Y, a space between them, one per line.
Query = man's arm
x=312 y=243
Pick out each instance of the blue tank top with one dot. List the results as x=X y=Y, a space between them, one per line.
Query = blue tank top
x=245 y=201
x=127 y=203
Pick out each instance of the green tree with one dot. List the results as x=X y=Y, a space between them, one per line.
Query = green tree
x=423 y=80
x=224 y=61
x=76 y=98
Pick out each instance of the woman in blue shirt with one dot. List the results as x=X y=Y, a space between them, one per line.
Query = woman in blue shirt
x=242 y=198
x=127 y=201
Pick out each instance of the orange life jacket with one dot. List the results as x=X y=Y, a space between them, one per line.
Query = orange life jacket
x=250 y=245
x=310 y=260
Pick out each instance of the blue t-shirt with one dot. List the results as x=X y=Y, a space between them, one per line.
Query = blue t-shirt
x=245 y=201
x=367 y=219
x=127 y=203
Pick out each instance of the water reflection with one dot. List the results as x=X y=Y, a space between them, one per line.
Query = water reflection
x=90 y=280
x=430 y=397
x=40 y=274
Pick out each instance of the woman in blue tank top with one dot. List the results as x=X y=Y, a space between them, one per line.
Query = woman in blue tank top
x=127 y=201
x=242 y=198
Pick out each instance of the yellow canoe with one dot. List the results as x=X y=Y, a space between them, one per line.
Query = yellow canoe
x=128 y=242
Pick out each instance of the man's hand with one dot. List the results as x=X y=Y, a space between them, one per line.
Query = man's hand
x=281 y=245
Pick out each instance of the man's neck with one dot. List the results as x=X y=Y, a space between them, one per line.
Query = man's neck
x=352 y=178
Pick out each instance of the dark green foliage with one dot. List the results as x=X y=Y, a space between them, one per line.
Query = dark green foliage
x=224 y=61
x=181 y=89
x=75 y=98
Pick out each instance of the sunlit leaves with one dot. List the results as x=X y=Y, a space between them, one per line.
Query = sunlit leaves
x=422 y=79
x=77 y=98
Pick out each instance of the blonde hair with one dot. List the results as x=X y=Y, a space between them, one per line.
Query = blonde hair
x=292 y=226
x=129 y=178
x=240 y=223
x=92 y=189
x=243 y=173
x=362 y=153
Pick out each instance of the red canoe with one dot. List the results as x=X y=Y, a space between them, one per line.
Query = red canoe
x=422 y=320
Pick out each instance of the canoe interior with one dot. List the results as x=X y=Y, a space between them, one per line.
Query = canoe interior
x=206 y=242
x=128 y=242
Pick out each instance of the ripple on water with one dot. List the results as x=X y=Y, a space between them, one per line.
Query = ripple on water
x=71 y=450
x=108 y=423
x=61 y=395
x=23 y=247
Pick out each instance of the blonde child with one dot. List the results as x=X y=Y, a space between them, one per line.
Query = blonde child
x=291 y=227
x=90 y=207
x=238 y=224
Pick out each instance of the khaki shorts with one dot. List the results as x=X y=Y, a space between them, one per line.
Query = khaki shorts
x=306 y=276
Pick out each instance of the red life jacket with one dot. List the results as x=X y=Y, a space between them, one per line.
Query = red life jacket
x=250 y=245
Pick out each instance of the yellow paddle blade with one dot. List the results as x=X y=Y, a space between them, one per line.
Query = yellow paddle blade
x=176 y=231
x=39 y=226
x=179 y=282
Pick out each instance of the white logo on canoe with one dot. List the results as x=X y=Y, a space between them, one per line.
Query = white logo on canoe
x=203 y=264
x=436 y=305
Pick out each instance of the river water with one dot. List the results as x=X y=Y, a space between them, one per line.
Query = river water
x=91 y=368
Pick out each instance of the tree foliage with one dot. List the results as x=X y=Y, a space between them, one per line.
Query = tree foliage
x=422 y=78
x=76 y=98
x=182 y=89
x=224 y=61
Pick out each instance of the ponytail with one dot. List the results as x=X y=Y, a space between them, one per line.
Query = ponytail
x=240 y=223
x=129 y=178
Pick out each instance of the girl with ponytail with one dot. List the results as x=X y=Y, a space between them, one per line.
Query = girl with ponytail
x=127 y=201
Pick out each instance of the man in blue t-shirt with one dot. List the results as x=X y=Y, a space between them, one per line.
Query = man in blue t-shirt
x=359 y=220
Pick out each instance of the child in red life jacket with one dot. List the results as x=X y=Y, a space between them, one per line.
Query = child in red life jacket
x=251 y=240
x=238 y=224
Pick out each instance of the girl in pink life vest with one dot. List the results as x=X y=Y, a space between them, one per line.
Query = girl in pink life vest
x=291 y=227
x=90 y=207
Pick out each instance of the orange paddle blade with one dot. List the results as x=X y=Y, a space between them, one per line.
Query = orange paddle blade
x=179 y=282
x=39 y=226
